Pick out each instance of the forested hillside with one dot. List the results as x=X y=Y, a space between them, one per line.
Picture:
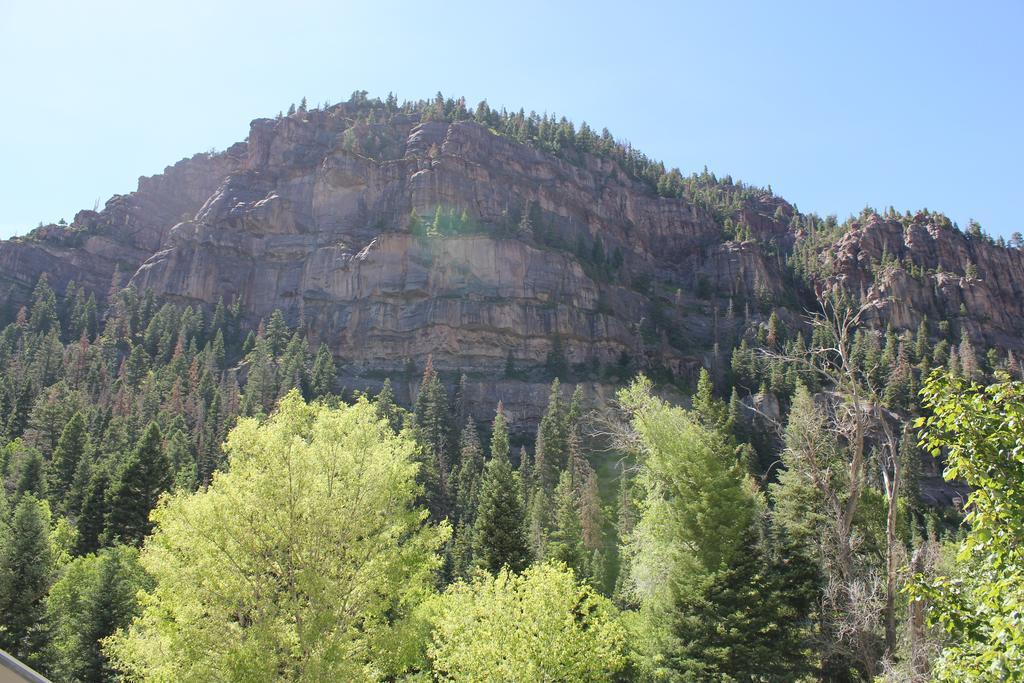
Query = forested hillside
x=418 y=392
x=712 y=542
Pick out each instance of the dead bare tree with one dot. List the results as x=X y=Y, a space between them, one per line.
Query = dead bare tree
x=857 y=417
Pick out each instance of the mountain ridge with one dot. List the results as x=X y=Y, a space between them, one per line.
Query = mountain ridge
x=510 y=248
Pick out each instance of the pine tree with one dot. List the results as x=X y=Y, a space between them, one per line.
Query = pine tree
x=321 y=380
x=433 y=427
x=499 y=535
x=468 y=477
x=71 y=449
x=277 y=333
x=261 y=387
x=386 y=407
x=711 y=412
x=749 y=621
x=26 y=571
x=551 y=445
x=922 y=343
x=95 y=596
x=292 y=374
x=31 y=479
x=539 y=524
x=92 y=516
x=969 y=360
x=43 y=317
x=566 y=541
x=134 y=491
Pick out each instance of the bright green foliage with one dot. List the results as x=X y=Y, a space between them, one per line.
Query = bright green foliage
x=26 y=571
x=71 y=448
x=135 y=489
x=698 y=505
x=499 y=532
x=96 y=595
x=539 y=626
x=297 y=563
x=711 y=412
x=690 y=543
x=981 y=432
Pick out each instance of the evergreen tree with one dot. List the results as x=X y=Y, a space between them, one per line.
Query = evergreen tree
x=499 y=535
x=26 y=571
x=95 y=596
x=321 y=380
x=711 y=412
x=293 y=363
x=261 y=387
x=749 y=623
x=43 y=318
x=539 y=523
x=386 y=407
x=566 y=542
x=92 y=516
x=468 y=477
x=71 y=449
x=135 y=489
x=433 y=428
x=922 y=343
x=31 y=479
x=550 y=451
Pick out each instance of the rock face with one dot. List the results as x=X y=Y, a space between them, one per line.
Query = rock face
x=118 y=239
x=327 y=216
x=936 y=272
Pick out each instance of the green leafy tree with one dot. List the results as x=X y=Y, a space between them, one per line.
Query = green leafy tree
x=542 y=625
x=980 y=430
x=690 y=553
x=300 y=562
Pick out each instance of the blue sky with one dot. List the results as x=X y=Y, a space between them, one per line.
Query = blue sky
x=836 y=105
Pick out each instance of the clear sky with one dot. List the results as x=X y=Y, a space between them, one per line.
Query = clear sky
x=836 y=105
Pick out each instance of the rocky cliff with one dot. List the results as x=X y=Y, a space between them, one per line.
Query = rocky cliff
x=394 y=238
